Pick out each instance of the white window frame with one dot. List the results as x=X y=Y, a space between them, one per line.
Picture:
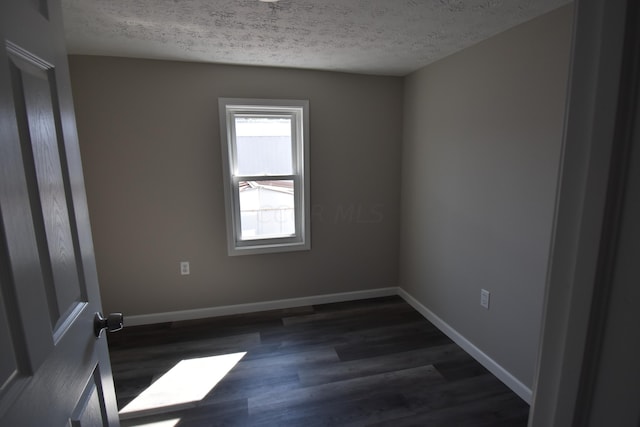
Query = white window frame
x=298 y=110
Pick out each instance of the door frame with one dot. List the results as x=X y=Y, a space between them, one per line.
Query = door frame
x=594 y=172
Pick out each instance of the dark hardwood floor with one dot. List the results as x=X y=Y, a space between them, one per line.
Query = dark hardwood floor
x=373 y=362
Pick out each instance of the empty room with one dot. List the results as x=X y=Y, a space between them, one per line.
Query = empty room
x=318 y=213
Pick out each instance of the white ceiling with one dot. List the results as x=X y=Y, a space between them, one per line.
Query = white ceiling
x=384 y=37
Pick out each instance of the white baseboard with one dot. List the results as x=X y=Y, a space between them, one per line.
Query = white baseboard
x=202 y=313
x=496 y=369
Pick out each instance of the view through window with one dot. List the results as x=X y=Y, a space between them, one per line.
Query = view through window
x=264 y=148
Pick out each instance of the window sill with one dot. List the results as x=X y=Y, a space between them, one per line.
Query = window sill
x=269 y=249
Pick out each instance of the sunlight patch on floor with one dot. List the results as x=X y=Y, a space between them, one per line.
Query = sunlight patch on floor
x=189 y=381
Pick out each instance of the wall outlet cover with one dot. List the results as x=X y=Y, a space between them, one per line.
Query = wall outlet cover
x=484 y=298
x=184 y=268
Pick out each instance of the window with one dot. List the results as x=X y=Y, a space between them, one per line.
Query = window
x=265 y=155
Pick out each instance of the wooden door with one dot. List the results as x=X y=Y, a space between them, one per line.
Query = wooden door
x=53 y=369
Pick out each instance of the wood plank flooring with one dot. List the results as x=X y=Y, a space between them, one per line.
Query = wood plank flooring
x=373 y=362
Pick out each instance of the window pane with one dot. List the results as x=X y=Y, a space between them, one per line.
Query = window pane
x=263 y=146
x=266 y=209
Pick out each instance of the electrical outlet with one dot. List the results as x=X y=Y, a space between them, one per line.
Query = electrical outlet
x=484 y=298
x=184 y=268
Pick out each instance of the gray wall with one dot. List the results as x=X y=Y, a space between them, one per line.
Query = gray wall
x=150 y=144
x=481 y=150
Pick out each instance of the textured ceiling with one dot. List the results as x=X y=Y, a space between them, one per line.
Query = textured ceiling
x=386 y=37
